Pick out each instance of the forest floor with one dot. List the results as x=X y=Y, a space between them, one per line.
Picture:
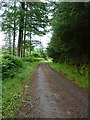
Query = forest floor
x=51 y=95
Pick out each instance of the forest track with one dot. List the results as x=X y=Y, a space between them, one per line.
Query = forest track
x=51 y=95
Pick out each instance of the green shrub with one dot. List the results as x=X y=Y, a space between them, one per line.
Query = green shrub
x=27 y=59
x=36 y=54
x=10 y=64
x=37 y=59
x=32 y=59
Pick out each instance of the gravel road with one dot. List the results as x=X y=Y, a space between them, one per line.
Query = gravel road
x=51 y=95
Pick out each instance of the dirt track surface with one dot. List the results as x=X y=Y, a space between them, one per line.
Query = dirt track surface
x=51 y=95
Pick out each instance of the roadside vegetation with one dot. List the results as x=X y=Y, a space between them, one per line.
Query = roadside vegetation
x=71 y=72
x=69 y=45
x=16 y=76
x=21 y=52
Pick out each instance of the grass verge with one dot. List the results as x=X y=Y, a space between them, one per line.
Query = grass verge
x=72 y=74
x=13 y=89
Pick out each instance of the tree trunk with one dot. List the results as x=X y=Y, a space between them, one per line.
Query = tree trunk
x=30 y=45
x=24 y=40
x=21 y=53
x=14 y=34
x=24 y=43
x=20 y=39
x=10 y=48
x=14 y=31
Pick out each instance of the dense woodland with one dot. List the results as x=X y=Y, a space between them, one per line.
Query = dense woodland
x=69 y=23
x=70 y=40
x=70 y=26
x=68 y=47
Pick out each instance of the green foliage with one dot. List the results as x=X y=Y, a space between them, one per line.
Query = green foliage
x=70 y=41
x=37 y=59
x=36 y=54
x=16 y=75
x=69 y=44
x=72 y=73
x=32 y=59
x=10 y=65
x=27 y=18
x=13 y=89
x=27 y=59
x=39 y=53
x=9 y=26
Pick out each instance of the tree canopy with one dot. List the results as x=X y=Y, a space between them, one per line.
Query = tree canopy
x=23 y=19
x=70 y=25
x=69 y=42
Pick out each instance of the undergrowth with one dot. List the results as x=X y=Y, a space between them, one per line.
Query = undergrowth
x=14 y=87
x=10 y=65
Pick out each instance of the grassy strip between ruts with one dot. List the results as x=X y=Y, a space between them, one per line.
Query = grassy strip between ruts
x=13 y=89
x=72 y=74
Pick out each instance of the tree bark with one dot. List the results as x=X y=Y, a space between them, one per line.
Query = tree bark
x=10 y=48
x=24 y=43
x=20 y=39
x=30 y=45
x=14 y=34
x=14 y=31
x=24 y=38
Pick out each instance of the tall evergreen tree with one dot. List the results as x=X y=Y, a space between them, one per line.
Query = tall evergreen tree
x=70 y=33
x=9 y=23
x=27 y=19
x=21 y=28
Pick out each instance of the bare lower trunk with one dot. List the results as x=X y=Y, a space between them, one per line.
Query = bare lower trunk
x=20 y=39
x=14 y=31
x=14 y=40
x=30 y=46
x=24 y=43
x=10 y=48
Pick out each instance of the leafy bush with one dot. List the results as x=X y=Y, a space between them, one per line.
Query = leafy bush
x=27 y=59
x=10 y=64
x=36 y=54
x=37 y=59
x=32 y=59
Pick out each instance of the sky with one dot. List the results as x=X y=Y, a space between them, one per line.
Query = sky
x=44 y=39
x=1 y=39
x=1 y=33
